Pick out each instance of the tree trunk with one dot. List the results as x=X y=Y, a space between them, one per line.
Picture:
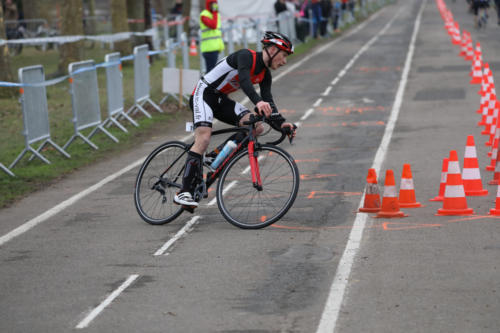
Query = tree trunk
x=120 y=24
x=135 y=11
x=5 y=70
x=186 y=11
x=71 y=25
x=148 y=21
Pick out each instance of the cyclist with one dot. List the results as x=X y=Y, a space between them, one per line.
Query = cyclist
x=241 y=69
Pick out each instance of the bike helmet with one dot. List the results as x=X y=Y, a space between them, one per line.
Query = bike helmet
x=279 y=40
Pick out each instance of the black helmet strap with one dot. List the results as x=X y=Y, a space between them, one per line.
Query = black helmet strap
x=270 y=60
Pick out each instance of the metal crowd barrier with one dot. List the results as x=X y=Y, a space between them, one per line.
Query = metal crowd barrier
x=4 y=168
x=85 y=102
x=114 y=91
x=35 y=114
x=141 y=82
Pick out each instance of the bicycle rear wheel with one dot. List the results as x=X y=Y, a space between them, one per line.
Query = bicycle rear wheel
x=249 y=208
x=159 y=178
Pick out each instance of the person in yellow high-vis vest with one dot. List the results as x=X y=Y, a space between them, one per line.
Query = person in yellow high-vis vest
x=211 y=34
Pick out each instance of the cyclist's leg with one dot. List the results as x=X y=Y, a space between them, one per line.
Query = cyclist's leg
x=201 y=102
x=232 y=113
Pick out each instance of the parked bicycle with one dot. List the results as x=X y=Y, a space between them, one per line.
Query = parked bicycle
x=251 y=193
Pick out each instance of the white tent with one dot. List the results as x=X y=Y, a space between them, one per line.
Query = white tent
x=246 y=8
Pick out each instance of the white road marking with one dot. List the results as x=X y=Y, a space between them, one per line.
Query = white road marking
x=228 y=187
x=318 y=102
x=334 y=82
x=185 y=229
x=337 y=290
x=327 y=91
x=307 y=114
x=65 y=204
x=94 y=313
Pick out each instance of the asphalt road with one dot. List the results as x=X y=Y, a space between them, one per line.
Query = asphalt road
x=390 y=91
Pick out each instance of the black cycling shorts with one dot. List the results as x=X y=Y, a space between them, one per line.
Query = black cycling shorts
x=207 y=103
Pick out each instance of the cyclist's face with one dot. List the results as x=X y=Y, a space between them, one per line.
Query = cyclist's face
x=279 y=60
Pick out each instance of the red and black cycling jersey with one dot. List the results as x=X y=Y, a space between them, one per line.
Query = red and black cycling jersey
x=241 y=70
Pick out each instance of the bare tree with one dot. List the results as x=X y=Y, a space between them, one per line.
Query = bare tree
x=5 y=70
x=120 y=24
x=71 y=25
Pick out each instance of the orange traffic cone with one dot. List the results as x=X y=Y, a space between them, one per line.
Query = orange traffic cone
x=496 y=211
x=454 y=202
x=442 y=185
x=372 y=194
x=494 y=151
x=407 y=190
x=390 y=204
x=471 y=176
x=193 y=50
x=469 y=55
x=477 y=68
x=496 y=175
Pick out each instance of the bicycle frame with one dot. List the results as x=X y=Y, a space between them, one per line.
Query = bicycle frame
x=250 y=140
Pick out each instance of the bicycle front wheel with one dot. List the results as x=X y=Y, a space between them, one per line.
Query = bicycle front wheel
x=247 y=207
x=159 y=178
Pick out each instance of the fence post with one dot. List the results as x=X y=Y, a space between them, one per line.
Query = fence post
x=230 y=38
x=85 y=102
x=141 y=81
x=114 y=91
x=185 y=51
x=35 y=114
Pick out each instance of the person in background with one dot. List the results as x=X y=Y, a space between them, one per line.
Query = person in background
x=497 y=3
x=177 y=9
x=326 y=13
x=279 y=7
x=211 y=34
x=316 y=16
x=336 y=15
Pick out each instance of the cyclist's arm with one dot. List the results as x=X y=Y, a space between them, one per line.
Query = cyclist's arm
x=245 y=61
x=276 y=120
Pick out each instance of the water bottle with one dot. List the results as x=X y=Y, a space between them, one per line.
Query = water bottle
x=228 y=149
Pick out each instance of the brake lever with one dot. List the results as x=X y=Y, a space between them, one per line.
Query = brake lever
x=290 y=133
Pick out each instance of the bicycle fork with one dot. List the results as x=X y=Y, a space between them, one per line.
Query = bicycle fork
x=254 y=166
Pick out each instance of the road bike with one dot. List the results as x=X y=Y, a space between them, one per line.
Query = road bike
x=257 y=183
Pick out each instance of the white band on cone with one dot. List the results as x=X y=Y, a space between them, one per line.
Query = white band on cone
x=470 y=152
x=469 y=174
x=453 y=167
x=454 y=191
x=406 y=184
x=390 y=191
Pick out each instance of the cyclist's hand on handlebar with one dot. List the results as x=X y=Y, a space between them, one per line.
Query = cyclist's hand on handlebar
x=264 y=108
x=289 y=129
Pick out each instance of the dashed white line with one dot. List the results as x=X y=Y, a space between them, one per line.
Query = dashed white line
x=327 y=91
x=94 y=313
x=307 y=114
x=317 y=103
x=333 y=304
x=185 y=229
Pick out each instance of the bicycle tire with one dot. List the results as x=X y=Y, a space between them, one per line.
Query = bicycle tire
x=153 y=207
x=242 y=204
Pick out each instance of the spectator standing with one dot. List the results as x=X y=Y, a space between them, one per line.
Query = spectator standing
x=11 y=14
x=177 y=9
x=316 y=16
x=336 y=15
x=279 y=7
x=497 y=3
x=326 y=13
x=211 y=34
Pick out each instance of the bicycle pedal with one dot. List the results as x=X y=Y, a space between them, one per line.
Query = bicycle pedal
x=189 y=209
